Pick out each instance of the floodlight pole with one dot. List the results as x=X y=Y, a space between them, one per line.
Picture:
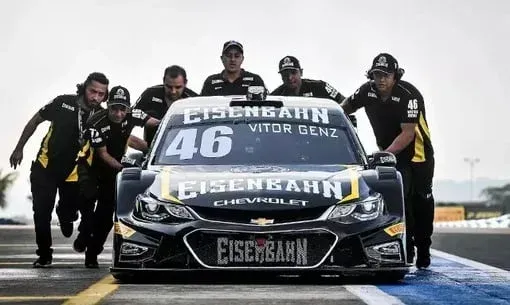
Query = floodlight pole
x=471 y=162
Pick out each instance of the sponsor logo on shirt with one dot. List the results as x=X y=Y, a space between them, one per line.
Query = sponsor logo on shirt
x=68 y=107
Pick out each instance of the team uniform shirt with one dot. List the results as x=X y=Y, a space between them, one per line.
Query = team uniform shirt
x=217 y=84
x=312 y=88
x=101 y=132
x=152 y=101
x=405 y=105
x=64 y=137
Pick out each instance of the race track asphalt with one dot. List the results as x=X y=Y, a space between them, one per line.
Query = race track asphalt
x=68 y=282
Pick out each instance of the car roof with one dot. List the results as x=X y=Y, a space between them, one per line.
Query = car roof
x=224 y=101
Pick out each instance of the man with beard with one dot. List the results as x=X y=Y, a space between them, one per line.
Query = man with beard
x=99 y=162
x=52 y=170
x=396 y=111
x=156 y=100
x=233 y=80
x=294 y=85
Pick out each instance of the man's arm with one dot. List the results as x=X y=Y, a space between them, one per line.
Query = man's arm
x=152 y=122
x=357 y=100
x=347 y=106
x=332 y=93
x=102 y=152
x=409 y=118
x=97 y=141
x=405 y=138
x=138 y=144
x=28 y=131
x=142 y=119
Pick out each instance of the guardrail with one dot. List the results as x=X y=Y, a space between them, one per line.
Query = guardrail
x=492 y=223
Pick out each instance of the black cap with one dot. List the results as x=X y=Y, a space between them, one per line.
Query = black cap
x=119 y=96
x=384 y=62
x=289 y=63
x=231 y=44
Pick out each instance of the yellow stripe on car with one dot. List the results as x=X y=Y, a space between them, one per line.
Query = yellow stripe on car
x=165 y=186
x=354 y=194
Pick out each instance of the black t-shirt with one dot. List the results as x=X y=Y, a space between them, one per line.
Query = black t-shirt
x=315 y=88
x=102 y=132
x=216 y=84
x=405 y=105
x=61 y=143
x=312 y=88
x=152 y=101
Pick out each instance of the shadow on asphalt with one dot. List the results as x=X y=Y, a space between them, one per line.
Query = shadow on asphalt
x=255 y=279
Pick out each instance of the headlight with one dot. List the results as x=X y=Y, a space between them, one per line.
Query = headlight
x=149 y=208
x=368 y=209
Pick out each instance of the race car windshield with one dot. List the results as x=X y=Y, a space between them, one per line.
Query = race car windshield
x=255 y=143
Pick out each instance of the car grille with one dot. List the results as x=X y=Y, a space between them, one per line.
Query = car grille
x=297 y=249
x=245 y=216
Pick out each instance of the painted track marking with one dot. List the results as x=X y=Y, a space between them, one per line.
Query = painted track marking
x=95 y=293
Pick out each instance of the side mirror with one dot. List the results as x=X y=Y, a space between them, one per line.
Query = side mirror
x=382 y=158
x=133 y=159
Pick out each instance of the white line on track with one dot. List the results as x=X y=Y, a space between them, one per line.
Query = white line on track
x=372 y=295
x=470 y=263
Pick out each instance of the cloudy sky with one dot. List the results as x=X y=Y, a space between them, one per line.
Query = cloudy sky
x=456 y=52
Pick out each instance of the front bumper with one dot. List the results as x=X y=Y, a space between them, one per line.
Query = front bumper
x=316 y=246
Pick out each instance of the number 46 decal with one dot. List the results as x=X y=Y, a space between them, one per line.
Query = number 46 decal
x=413 y=104
x=211 y=146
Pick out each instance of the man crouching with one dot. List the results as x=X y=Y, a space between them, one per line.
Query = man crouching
x=99 y=162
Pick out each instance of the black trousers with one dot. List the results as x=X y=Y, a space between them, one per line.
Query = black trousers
x=44 y=187
x=96 y=218
x=419 y=204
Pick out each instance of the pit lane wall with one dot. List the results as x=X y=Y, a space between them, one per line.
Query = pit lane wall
x=470 y=215
x=459 y=211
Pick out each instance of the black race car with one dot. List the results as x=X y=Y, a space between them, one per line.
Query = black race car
x=259 y=183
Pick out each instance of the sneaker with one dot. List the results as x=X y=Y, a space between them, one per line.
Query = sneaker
x=79 y=244
x=423 y=260
x=66 y=228
x=42 y=262
x=91 y=261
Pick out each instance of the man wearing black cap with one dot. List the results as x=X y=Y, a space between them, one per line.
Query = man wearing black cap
x=99 y=162
x=294 y=85
x=396 y=111
x=232 y=80
x=156 y=100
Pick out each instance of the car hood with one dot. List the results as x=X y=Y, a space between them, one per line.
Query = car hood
x=259 y=187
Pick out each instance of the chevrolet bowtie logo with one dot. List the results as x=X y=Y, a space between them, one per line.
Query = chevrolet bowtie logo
x=262 y=221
